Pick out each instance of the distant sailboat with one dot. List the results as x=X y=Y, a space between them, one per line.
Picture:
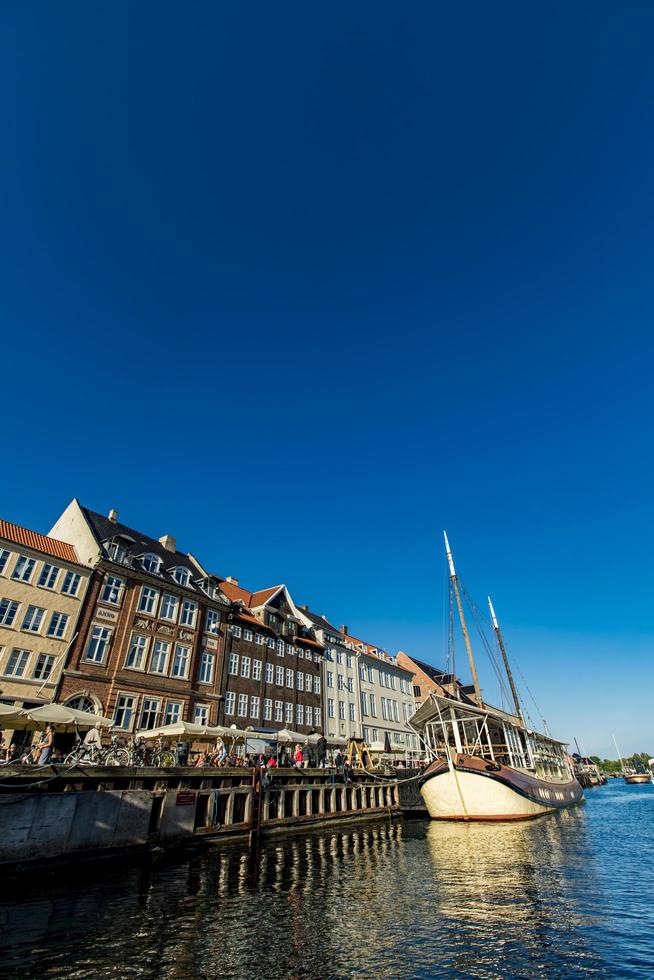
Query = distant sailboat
x=628 y=773
x=487 y=764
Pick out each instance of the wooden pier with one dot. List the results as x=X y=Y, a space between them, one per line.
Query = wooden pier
x=53 y=814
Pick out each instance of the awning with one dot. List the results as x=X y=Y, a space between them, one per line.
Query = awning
x=63 y=718
x=188 y=730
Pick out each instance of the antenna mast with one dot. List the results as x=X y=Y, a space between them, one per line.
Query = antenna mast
x=500 y=641
x=464 y=629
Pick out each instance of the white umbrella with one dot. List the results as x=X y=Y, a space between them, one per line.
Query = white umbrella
x=7 y=713
x=62 y=718
x=191 y=731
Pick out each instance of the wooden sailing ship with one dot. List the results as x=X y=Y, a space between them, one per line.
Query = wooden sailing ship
x=629 y=774
x=487 y=765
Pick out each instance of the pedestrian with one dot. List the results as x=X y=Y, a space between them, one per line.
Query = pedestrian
x=93 y=742
x=297 y=758
x=12 y=754
x=321 y=746
x=306 y=755
x=338 y=759
x=46 y=745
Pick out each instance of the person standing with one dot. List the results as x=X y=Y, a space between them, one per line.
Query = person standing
x=46 y=746
x=297 y=758
x=93 y=742
x=321 y=746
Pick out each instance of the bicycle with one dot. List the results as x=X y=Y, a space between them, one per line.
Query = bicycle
x=91 y=755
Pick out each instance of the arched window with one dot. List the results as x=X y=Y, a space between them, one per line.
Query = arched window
x=181 y=575
x=151 y=563
x=84 y=703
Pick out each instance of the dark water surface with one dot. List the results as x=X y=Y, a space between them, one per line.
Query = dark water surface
x=569 y=894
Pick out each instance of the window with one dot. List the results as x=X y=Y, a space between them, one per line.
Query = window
x=300 y=652
x=23 y=568
x=330 y=678
x=230 y=703
x=159 y=660
x=33 y=619
x=138 y=646
x=259 y=639
x=362 y=671
x=352 y=713
x=242 y=705
x=172 y=713
x=71 y=583
x=267 y=709
x=169 y=607
x=278 y=711
x=404 y=712
x=124 y=714
x=269 y=673
x=316 y=685
x=373 y=705
x=212 y=622
x=96 y=651
x=245 y=666
x=256 y=670
x=309 y=714
x=289 y=677
x=330 y=707
x=341 y=710
x=349 y=659
x=48 y=576
x=235 y=630
x=44 y=666
x=382 y=679
x=181 y=661
x=350 y=685
x=307 y=655
x=254 y=707
x=279 y=676
x=366 y=734
x=4 y=558
x=232 y=667
x=308 y=682
x=17 y=663
x=341 y=683
x=395 y=711
x=8 y=610
x=288 y=712
x=148 y=600
x=150 y=713
x=112 y=590
x=151 y=563
x=58 y=624
x=289 y=649
x=270 y=642
x=201 y=714
x=206 y=667
x=247 y=635
x=189 y=612
x=181 y=575
x=280 y=648
x=117 y=551
x=299 y=714
x=375 y=735
x=371 y=675
x=339 y=657
x=300 y=681
x=317 y=717
x=383 y=707
x=364 y=704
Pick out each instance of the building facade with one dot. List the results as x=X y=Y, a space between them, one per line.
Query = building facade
x=151 y=640
x=428 y=679
x=273 y=663
x=42 y=589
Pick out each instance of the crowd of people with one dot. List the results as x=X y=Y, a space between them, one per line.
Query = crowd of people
x=303 y=756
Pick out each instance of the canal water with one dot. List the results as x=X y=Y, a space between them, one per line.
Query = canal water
x=570 y=894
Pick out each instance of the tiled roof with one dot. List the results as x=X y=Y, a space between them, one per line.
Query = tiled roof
x=38 y=542
x=319 y=621
x=262 y=597
x=433 y=673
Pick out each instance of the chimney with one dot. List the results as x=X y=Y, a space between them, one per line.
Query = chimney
x=169 y=542
x=343 y=630
x=231 y=580
x=113 y=516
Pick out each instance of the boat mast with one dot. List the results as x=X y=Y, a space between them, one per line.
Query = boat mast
x=500 y=641
x=455 y=585
x=618 y=751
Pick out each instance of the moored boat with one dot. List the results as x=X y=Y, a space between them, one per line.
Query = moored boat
x=630 y=775
x=487 y=764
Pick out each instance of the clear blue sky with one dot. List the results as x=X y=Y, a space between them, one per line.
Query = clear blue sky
x=305 y=284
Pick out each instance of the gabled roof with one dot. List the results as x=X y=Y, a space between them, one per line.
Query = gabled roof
x=38 y=542
x=137 y=544
x=320 y=621
x=433 y=673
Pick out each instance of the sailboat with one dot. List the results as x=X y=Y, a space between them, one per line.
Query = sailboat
x=630 y=775
x=487 y=764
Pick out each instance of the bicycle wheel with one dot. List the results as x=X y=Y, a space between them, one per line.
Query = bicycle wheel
x=165 y=758
x=117 y=757
x=72 y=759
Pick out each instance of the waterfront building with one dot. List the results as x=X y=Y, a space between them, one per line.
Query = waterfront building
x=273 y=663
x=427 y=679
x=151 y=639
x=341 y=700
x=42 y=588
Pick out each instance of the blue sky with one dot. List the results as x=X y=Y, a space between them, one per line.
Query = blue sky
x=304 y=285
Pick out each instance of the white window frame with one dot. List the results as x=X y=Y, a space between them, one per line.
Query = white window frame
x=267 y=709
x=51 y=576
x=112 y=586
x=153 y=708
x=212 y=622
x=137 y=652
x=230 y=704
x=270 y=673
x=162 y=652
x=255 y=705
x=49 y=660
x=184 y=658
x=33 y=619
x=172 y=712
x=71 y=583
x=22 y=659
x=148 y=600
x=100 y=637
x=232 y=664
x=151 y=563
x=188 y=614
x=207 y=667
x=242 y=707
x=23 y=569
x=181 y=575
x=169 y=609
x=5 y=555
x=8 y=617
x=256 y=670
x=201 y=714
x=57 y=628
x=133 y=710
x=246 y=664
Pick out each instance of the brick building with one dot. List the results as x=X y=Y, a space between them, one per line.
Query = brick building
x=42 y=588
x=152 y=635
x=273 y=663
x=427 y=679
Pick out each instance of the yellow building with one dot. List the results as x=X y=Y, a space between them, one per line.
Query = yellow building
x=42 y=588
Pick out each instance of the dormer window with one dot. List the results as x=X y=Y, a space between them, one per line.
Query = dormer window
x=181 y=575
x=118 y=548
x=151 y=563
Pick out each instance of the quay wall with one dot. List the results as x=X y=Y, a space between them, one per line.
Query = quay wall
x=107 y=810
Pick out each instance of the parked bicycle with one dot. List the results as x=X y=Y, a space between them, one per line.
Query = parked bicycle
x=141 y=753
x=92 y=755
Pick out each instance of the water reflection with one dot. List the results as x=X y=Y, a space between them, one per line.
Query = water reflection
x=388 y=899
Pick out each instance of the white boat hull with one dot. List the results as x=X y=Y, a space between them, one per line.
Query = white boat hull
x=457 y=794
